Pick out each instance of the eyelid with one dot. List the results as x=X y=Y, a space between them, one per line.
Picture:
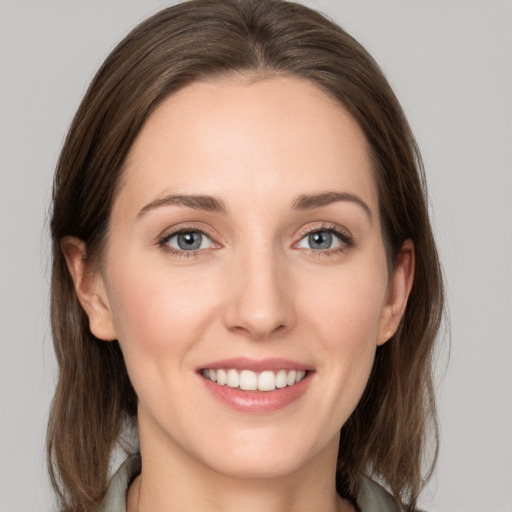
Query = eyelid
x=163 y=239
x=204 y=239
x=343 y=234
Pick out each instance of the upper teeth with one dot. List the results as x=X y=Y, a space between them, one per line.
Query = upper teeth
x=252 y=381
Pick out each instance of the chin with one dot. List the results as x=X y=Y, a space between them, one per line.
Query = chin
x=270 y=456
x=265 y=466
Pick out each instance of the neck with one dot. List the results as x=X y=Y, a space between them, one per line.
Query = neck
x=247 y=496
x=172 y=480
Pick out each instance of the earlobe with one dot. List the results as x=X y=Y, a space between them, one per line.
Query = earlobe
x=89 y=288
x=400 y=286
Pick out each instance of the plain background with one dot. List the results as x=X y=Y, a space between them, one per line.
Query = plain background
x=450 y=63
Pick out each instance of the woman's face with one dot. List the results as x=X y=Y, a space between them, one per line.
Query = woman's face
x=245 y=245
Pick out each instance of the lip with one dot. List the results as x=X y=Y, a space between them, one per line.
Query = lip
x=257 y=402
x=256 y=365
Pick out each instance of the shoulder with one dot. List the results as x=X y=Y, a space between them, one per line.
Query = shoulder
x=373 y=497
x=115 y=499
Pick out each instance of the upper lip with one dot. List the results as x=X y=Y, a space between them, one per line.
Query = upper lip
x=256 y=365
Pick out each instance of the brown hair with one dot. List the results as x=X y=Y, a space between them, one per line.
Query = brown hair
x=94 y=401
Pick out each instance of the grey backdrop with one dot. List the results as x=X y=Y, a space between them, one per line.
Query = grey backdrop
x=450 y=63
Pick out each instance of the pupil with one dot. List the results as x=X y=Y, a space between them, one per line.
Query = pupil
x=321 y=240
x=189 y=241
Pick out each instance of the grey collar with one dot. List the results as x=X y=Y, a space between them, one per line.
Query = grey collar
x=371 y=498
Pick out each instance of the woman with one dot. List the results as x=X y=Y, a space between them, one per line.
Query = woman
x=244 y=273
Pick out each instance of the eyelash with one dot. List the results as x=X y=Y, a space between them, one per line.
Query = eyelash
x=164 y=241
x=346 y=241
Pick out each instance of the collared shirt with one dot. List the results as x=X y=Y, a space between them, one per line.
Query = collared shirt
x=372 y=497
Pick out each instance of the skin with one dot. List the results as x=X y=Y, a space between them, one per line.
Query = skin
x=255 y=289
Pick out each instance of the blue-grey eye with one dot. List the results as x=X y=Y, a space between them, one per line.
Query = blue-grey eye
x=189 y=241
x=320 y=241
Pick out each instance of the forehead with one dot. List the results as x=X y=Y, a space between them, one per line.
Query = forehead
x=272 y=137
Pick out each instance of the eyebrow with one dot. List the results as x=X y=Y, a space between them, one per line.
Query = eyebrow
x=310 y=202
x=196 y=202
x=216 y=204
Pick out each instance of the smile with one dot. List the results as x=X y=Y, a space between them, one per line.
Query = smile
x=256 y=386
x=248 y=380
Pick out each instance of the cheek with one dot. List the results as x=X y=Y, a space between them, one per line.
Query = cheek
x=158 y=312
x=346 y=318
x=159 y=317
x=350 y=303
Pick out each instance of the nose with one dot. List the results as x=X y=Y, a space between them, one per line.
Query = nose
x=260 y=292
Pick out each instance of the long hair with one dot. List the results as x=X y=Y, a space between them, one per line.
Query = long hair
x=94 y=402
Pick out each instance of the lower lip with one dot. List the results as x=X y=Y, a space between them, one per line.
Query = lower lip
x=257 y=402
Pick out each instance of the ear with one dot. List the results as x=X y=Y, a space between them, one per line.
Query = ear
x=399 y=288
x=90 y=289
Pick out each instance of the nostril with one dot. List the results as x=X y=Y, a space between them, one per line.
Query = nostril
x=258 y=331
x=260 y=305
